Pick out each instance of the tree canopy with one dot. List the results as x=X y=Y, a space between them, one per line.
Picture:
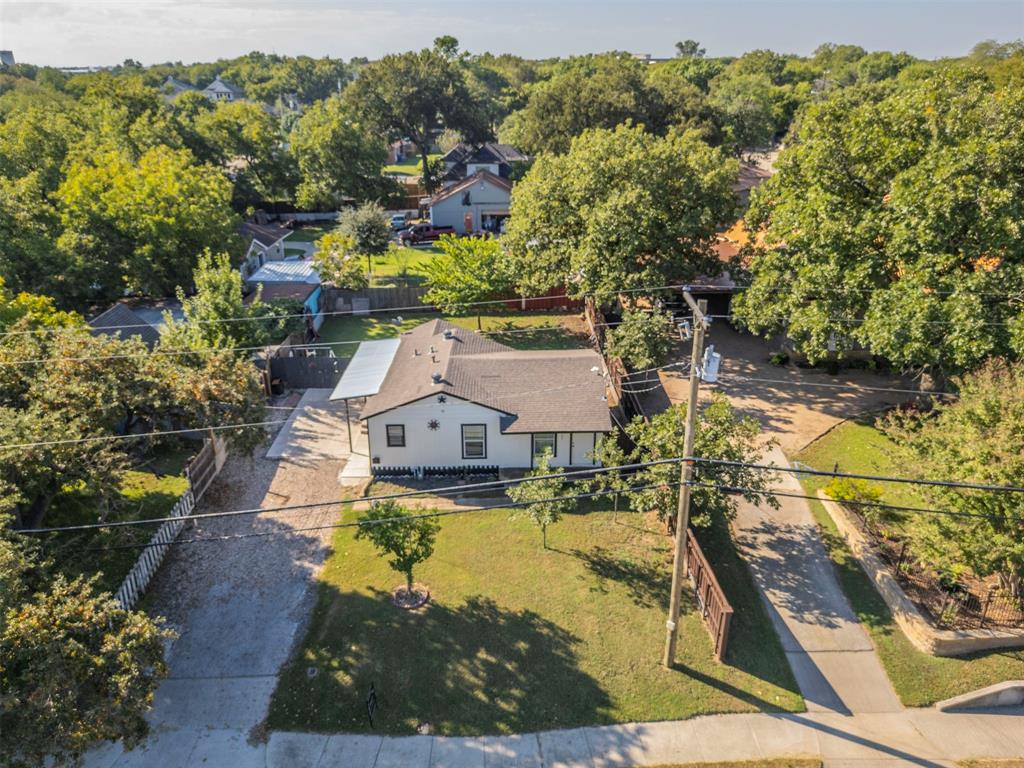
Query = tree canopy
x=623 y=209
x=469 y=270
x=893 y=223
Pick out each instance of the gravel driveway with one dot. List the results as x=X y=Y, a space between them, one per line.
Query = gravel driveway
x=239 y=605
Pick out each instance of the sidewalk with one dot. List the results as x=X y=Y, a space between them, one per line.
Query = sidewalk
x=829 y=652
x=922 y=738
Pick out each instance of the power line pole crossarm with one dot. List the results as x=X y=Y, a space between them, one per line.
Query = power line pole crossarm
x=679 y=563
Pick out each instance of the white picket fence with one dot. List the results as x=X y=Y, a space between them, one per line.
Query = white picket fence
x=200 y=472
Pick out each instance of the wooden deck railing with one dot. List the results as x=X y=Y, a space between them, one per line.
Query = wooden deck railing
x=711 y=600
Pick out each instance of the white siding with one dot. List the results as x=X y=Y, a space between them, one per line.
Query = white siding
x=484 y=197
x=443 y=447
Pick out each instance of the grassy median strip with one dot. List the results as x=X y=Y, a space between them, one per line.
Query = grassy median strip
x=518 y=639
x=919 y=678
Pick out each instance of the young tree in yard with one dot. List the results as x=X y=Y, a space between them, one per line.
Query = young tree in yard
x=541 y=497
x=218 y=296
x=891 y=224
x=721 y=433
x=468 y=270
x=397 y=532
x=75 y=668
x=643 y=339
x=368 y=226
x=978 y=438
x=338 y=157
x=339 y=263
x=607 y=453
x=409 y=94
x=622 y=209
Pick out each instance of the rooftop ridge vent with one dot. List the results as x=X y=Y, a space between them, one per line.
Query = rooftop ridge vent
x=436 y=378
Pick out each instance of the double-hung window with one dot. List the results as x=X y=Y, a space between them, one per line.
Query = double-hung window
x=396 y=435
x=545 y=441
x=474 y=441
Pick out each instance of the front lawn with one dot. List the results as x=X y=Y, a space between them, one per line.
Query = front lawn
x=149 y=490
x=518 y=639
x=400 y=266
x=919 y=679
x=527 y=330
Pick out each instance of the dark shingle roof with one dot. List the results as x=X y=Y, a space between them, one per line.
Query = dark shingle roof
x=122 y=322
x=535 y=390
x=264 y=234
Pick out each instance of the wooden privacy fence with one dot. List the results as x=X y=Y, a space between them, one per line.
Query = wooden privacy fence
x=711 y=600
x=200 y=473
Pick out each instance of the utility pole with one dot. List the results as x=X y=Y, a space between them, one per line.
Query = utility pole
x=679 y=562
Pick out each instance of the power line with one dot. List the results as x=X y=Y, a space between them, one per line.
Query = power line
x=135 y=435
x=490 y=485
x=365 y=523
x=855 y=476
x=862 y=387
x=735 y=489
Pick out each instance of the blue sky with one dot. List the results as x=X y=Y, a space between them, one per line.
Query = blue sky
x=109 y=31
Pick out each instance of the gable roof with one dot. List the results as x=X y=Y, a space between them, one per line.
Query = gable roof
x=264 y=234
x=468 y=182
x=122 y=322
x=221 y=86
x=175 y=86
x=534 y=390
x=488 y=152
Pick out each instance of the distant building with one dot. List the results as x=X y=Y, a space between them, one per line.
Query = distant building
x=219 y=90
x=465 y=160
x=121 y=322
x=7 y=58
x=477 y=203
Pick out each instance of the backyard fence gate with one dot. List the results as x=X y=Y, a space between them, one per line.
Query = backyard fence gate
x=200 y=472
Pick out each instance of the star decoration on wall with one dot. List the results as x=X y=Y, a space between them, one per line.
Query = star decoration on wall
x=433 y=425
x=442 y=398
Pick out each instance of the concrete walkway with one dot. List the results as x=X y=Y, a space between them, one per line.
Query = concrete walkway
x=911 y=738
x=831 y=655
x=315 y=429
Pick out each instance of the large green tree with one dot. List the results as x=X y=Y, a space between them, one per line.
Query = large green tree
x=623 y=209
x=140 y=225
x=409 y=95
x=895 y=222
x=75 y=668
x=339 y=156
x=978 y=438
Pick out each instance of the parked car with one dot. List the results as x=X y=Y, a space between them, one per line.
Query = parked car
x=399 y=222
x=423 y=233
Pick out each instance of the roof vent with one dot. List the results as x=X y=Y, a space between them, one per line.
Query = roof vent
x=432 y=349
x=415 y=352
x=436 y=378
x=448 y=333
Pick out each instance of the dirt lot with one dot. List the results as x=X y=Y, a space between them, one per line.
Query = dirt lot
x=790 y=407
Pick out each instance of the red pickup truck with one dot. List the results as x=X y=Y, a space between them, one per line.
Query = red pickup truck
x=423 y=233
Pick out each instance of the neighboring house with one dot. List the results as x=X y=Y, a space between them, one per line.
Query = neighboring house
x=266 y=243
x=478 y=203
x=122 y=322
x=446 y=398
x=7 y=58
x=293 y=279
x=466 y=160
x=219 y=90
x=173 y=87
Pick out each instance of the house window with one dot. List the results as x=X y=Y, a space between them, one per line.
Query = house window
x=545 y=441
x=465 y=199
x=396 y=435
x=474 y=441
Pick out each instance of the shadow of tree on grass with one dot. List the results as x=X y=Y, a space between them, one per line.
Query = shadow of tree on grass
x=645 y=582
x=468 y=669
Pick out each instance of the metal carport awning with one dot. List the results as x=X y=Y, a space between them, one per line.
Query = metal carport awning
x=365 y=373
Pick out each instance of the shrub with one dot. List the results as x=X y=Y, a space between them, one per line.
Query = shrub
x=778 y=358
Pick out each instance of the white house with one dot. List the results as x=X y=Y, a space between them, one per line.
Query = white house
x=465 y=159
x=478 y=203
x=266 y=243
x=446 y=398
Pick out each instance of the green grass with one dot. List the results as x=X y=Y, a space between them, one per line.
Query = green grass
x=517 y=330
x=411 y=166
x=401 y=266
x=919 y=679
x=294 y=252
x=309 y=234
x=150 y=490
x=518 y=639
